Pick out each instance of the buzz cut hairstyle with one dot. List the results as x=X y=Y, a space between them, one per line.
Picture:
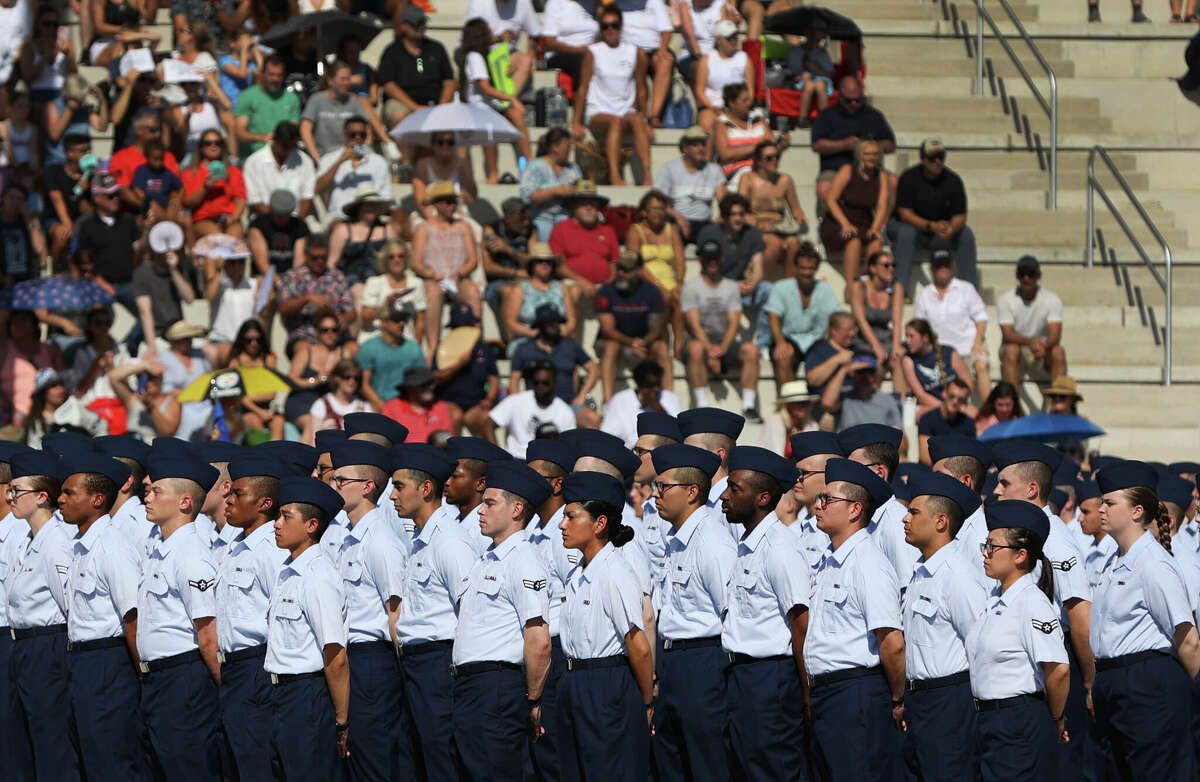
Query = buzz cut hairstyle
x=936 y=505
x=863 y=497
x=959 y=383
x=264 y=486
x=658 y=440
x=477 y=467
x=420 y=476
x=373 y=437
x=761 y=481
x=555 y=469
x=690 y=475
x=1039 y=473
x=375 y=474
x=885 y=454
x=191 y=489
x=711 y=441
x=527 y=509
x=969 y=466
x=5 y=472
x=309 y=511
x=98 y=483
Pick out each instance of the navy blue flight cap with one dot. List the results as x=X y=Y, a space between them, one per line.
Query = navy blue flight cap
x=1172 y=488
x=476 y=448
x=63 y=443
x=751 y=457
x=1067 y=472
x=1087 y=490
x=661 y=424
x=868 y=434
x=375 y=423
x=171 y=446
x=669 y=457
x=217 y=451
x=1100 y=462
x=520 y=479
x=936 y=483
x=184 y=467
x=1160 y=467
x=1127 y=475
x=602 y=445
x=33 y=462
x=944 y=446
x=89 y=462
x=710 y=419
x=327 y=438
x=846 y=471
x=123 y=446
x=301 y=455
x=1015 y=452
x=423 y=457
x=990 y=481
x=806 y=444
x=1017 y=514
x=10 y=449
x=1189 y=467
x=252 y=464
x=354 y=452
x=1058 y=497
x=553 y=451
x=300 y=488
x=902 y=480
x=599 y=486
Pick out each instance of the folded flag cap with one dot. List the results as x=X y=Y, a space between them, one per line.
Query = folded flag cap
x=1017 y=514
x=675 y=455
x=751 y=457
x=310 y=491
x=599 y=486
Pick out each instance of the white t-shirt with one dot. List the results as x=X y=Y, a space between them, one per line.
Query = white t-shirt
x=476 y=67
x=611 y=90
x=621 y=412
x=723 y=71
x=376 y=291
x=1029 y=319
x=264 y=176
x=521 y=416
x=322 y=407
x=14 y=26
x=501 y=16
x=643 y=27
x=567 y=21
x=953 y=316
x=704 y=23
x=371 y=171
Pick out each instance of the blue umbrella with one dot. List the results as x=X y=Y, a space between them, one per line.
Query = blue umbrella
x=50 y=293
x=1043 y=427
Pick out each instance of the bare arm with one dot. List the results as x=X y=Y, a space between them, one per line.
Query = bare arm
x=592 y=370
x=960 y=369
x=798 y=623
x=1058 y=684
x=206 y=639
x=831 y=394
x=924 y=398
x=581 y=91
x=337 y=678
x=1080 y=614
x=840 y=180
x=641 y=662
x=1053 y=334
x=821 y=373
x=700 y=87
x=146 y=316
x=537 y=665
x=891 y=657
x=1187 y=645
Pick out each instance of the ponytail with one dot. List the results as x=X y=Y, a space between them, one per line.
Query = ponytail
x=617 y=533
x=1046 y=580
x=1153 y=512
x=1164 y=527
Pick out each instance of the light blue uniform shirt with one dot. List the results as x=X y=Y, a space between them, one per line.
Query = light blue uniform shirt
x=559 y=561
x=441 y=559
x=654 y=538
x=604 y=602
x=700 y=557
x=178 y=587
x=331 y=541
x=856 y=594
x=1140 y=601
x=102 y=582
x=308 y=612
x=13 y=532
x=504 y=591
x=1070 y=575
x=131 y=520
x=1188 y=562
x=1016 y=634
x=887 y=530
x=246 y=576
x=770 y=577
x=371 y=562
x=473 y=533
x=404 y=528
x=941 y=605
x=813 y=541
x=37 y=584
x=714 y=505
x=971 y=535
x=1190 y=532
x=1097 y=556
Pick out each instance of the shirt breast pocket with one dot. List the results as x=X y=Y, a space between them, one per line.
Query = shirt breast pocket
x=289 y=619
x=352 y=573
x=488 y=588
x=85 y=586
x=683 y=586
x=421 y=577
x=240 y=582
x=924 y=615
x=157 y=593
x=748 y=594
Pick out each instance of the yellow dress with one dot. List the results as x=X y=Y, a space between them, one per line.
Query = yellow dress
x=659 y=259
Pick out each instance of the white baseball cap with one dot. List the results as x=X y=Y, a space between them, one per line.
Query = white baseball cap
x=725 y=29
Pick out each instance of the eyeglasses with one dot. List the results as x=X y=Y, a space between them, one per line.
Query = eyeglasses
x=886 y=265
x=852 y=101
x=824 y=499
x=660 y=488
x=989 y=548
x=14 y=493
x=938 y=158
x=253 y=338
x=358 y=134
x=329 y=329
x=610 y=25
x=355 y=378
x=1026 y=273
x=447 y=200
x=212 y=142
x=803 y=475
x=443 y=142
x=152 y=128
x=341 y=480
x=639 y=451
x=318 y=256
x=769 y=158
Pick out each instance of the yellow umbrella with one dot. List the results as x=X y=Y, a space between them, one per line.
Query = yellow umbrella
x=238 y=381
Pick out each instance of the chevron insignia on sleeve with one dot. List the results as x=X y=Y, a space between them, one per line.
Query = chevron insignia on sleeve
x=536 y=586
x=1065 y=565
x=201 y=585
x=1045 y=627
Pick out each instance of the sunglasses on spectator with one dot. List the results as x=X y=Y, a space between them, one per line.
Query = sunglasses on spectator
x=358 y=134
x=318 y=256
x=253 y=338
x=212 y=142
x=355 y=378
x=329 y=329
x=446 y=200
x=938 y=158
x=610 y=25
x=443 y=142
x=769 y=158
x=152 y=128
x=397 y=257
x=1026 y=273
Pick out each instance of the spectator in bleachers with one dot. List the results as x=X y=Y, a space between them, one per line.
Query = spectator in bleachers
x=475 y=85
x=857 y=215
x=98 y=352
x=300 y=56
x=313 y=362
x=343 y=398
x=929 y=365
x=80 y=110
x=614 y=102
x=878 y=306
x=567 y=30
x=415 y=70
x=149 y=412
x=354 y=244
x=161 y=286
x=738 y=130
x=698 y=21
x=311 y=287
x=206 y=108
x=798 y=312
x=444 y=255
x=523 y=413
x=239 y=66
x=931 y=211
x=632 y=318
x=548 y=182
x=277 y=238
x=507 y=19
x=46 y=58
x=214 y=194
x=182 y=364
x=22 y=244
x=194 y=45
x=1003 y=404
x=231 y=296
x=525 y=297
x=261 y=109
x=54 y=409
x=506 y=253
x=775 y=209
x=1031 y=326
x=956 y=313
x=147 y=127
x=20 y=141
x=14 y=27
x=566 y=356
x=251 y=348
x=712 y=309
x=741 y=248
x=327 y=114
x=693 y=183
x=386 y=357
x=136 y=93
x=1062 y=397
x=443 y=164
x=362 y=76
x=647 y=25
x=418 y=408
x=793 y=414
x=280 y=166
x=660 y=244
x=726 y=65
x=813 y=69
x=223 y=17
x=108 y=234
x=112 y=23
x=22 y=354
x=947 y=418
x=837 y=130
x=853 y=395
x=469 y=382
x=589 y=247
x=66 y=326
x=396 y=279
x=830 y=354
x=155 y=191
x=621 y=412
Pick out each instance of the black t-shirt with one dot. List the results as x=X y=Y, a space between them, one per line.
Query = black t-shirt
x=165 y=303
x=280 y=241
x=58 y=179
x=631 y=311
x=736 y=251
x=16 y=251
x=420 y=77
x=932 y=199
x=468 y=386
x=934 y=424
x=835 y=124
x=518 y=241
x=110 y=244
x=568 y=354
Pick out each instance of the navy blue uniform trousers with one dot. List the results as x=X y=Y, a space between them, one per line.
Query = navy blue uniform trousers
x=490 y=719
x=377 y=753
x=38 y=668
x=766 y=718
x=14 y=750
x=691 y=719
x=1144 y=711
x=940 y=742
x=603 y=733
x=429 y=706
x=181 y=709
x=1017 y=742
x=246 y=715
x=103 y=688
x=543 y=753
x=303 y=734
x=852 y=730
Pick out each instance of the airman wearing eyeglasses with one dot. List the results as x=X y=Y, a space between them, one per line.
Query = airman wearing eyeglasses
x=810 y=452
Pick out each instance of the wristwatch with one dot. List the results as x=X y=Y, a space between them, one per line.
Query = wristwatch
x=897 y=701
x=533 y=701
x=341 y=726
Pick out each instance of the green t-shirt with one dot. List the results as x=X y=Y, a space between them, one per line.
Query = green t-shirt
x=387 y=363
x=265 y=112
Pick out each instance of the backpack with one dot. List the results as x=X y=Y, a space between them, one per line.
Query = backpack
x=678 y=113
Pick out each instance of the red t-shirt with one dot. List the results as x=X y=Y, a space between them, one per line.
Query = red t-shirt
x=219 y=200
x=126 y=161
x=420 y=425
x=589 y=252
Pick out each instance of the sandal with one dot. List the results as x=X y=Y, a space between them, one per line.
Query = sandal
x=1176 y=19
x=1192 y=19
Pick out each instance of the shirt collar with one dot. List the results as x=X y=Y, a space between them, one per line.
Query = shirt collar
x=1129 y=561
x=304 y=561
x=88 y=539
x=589 y=572
x=254 y=538
x=425 y=535
x=8 y=525
x=688 y=529
x=36 y=543
x=752 y=538
x=1020 y=585
x=843 y=552
x=359 y=529
x=716 y=490
x=935 y=563
x=165 y=546
x=505 y=548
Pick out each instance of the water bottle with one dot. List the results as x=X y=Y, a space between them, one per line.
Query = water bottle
x=556 y=110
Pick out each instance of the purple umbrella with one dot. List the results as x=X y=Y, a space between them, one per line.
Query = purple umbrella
x=51 y=293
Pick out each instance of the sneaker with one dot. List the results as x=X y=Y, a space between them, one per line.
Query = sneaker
x=751 y=415
x=1093 y=13
x=1138 y=15
x=508 y=179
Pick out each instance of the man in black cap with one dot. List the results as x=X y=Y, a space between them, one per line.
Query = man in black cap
x=1030 y=319
x=931 y=211
x=566 y=355
x=522 y=412
x=417 y=407
x=465 y=486
x=621 y=412
x=414 y=70
x=716 y=431
x=877 y=447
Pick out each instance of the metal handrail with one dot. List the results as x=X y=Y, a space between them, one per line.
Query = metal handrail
x=1050 y=107
x=1093 y=187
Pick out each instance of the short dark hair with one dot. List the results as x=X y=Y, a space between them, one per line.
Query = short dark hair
x=937 y=504
x=155 y=145
x=885 y=454
x=611 y=9
x=97 y=483
x=731 y=92
x=420 y=476
x=959 y=383
x=808 y=250
x=762 y=482
x=275 y=58
x=287 y=132
x=646 y=373
x=319 y=239
x=75 y=139
x=863 y=497
x=967 y=465
x=527 y=509
x=355 y=120
x=265 y=486
x=309 y=511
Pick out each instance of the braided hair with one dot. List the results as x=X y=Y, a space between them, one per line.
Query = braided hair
x=922 y=327
x=1154 y=512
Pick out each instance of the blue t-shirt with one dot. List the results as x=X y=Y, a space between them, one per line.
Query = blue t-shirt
x=802 y=325
x=934 y=425
x=568 y=354
x=157 y=185
x=926 y=368
x=469 y=385
x=231 y=86
x=631 y=310
x=818 y=354
x=387 y=363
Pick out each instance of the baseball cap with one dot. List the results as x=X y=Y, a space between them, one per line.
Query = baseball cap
x=724 y=29
x=414 y=16
x=399 y=309
x=941 y=258
x=283 y=202
x=931 y=147
x=461 y=315
x=709 y=248
x=104 y=182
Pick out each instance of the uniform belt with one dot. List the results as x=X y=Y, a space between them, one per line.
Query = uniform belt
x=364 y=645
x=612 y=661
x=737 y=658
x=915 y=685
x=21 y=633
x=691 y=643
x=99 y=643
x=821 y=679
x=470 y=669
x=175 y=660
x=1004 y=703
x=288 y=678
x=425 y=647
x=1108 y=663
x=248 y=653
